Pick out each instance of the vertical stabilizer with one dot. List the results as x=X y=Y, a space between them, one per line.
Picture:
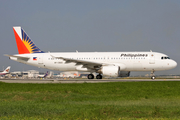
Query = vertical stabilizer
x=7 y=70
x=46 y=74
x=24 y=44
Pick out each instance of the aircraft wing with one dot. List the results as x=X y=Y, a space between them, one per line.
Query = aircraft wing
x=18 y=57
x=85 y=63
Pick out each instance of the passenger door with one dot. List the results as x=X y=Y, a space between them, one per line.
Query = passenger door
x=152 y=59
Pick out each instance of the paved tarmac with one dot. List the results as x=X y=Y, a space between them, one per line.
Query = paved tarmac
x=79 y=80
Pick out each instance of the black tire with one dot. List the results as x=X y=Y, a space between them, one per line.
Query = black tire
x=90 y=76
x=153 y=77
x=99 y=77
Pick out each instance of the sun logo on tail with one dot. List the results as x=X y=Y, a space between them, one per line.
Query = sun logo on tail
x=29 y=44
x=24 y=44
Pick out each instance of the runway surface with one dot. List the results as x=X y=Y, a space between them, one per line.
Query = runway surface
x=79 y=80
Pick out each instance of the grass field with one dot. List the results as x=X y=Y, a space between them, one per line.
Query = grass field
x=121 y=100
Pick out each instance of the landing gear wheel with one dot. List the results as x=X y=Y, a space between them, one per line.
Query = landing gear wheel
x=99 y=76
x=90 y=76
x=153 y=77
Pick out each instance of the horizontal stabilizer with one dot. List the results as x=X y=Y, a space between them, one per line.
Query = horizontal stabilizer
x=18 y=57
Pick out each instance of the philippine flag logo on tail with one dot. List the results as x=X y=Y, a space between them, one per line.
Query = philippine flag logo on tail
x=24 y=44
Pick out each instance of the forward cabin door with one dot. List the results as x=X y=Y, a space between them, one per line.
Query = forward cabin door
x=40 y=59
x=152 y=59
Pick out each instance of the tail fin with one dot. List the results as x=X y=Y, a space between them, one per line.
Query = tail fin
x=7 y=70
x=24 y=44
x=46 y=74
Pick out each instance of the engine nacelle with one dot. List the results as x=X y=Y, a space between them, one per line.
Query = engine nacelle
x=124 y=74
x=112 y=71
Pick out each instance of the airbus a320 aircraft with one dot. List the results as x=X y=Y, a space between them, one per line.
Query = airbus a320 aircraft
x=113 y=64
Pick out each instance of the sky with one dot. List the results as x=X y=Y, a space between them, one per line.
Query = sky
x=92 y=26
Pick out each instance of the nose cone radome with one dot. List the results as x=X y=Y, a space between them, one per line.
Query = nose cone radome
x=173 y=64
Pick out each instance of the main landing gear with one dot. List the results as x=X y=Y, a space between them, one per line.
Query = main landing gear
x=91 y=76
x=99 y=76
x=152 y=75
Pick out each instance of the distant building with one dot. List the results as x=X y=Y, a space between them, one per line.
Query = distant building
x=29 y=74
x=25 y=74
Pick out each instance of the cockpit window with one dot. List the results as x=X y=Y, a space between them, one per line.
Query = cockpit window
x=165 y=58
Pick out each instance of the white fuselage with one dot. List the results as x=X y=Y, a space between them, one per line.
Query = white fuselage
x=128 y=61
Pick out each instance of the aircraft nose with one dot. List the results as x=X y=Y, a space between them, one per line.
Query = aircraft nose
x=173 y=64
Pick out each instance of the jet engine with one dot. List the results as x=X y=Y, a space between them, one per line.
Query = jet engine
x=112 y=71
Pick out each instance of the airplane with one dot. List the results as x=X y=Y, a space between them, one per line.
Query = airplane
x=43 y=76
x=112 y=64
x=6 y=71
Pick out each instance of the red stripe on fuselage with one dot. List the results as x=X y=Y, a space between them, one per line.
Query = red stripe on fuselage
x=20 y=45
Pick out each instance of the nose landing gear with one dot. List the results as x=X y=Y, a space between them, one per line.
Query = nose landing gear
x=152 y=75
